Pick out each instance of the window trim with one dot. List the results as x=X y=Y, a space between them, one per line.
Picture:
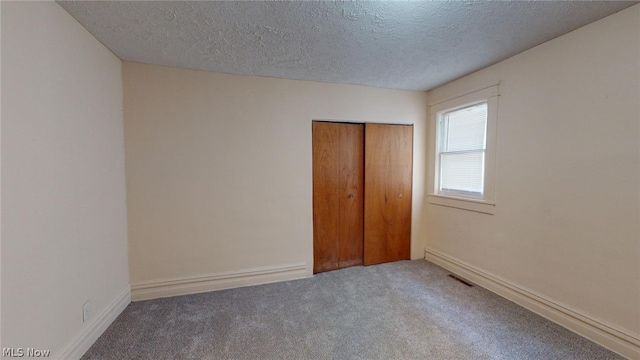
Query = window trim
x=486 y=204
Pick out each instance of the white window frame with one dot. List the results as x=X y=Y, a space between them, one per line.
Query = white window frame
x=486 y=203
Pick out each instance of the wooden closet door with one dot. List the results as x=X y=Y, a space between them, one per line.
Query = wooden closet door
x=338 y=169
x=387 y=210
x=351 y=195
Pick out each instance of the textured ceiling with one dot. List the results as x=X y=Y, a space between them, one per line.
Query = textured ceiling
x=402 y=45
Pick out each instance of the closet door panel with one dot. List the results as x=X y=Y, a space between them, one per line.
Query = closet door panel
x=326 y=145
x=387 y=204
x=351 y=194
x=338 y=212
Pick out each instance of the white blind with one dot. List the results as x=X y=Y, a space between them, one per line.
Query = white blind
x=462 y=146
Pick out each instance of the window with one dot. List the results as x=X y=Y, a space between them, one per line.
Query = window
x=464 y=137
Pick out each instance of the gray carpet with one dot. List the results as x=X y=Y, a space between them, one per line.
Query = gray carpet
x=401 y=310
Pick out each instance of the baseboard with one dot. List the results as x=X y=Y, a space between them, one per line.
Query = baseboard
x=619 y=340
x=210 y=282
x=90 y=334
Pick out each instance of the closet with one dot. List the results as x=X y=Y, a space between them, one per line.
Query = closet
x=361 y=194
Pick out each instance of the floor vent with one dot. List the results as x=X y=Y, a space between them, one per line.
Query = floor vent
x=460 y=280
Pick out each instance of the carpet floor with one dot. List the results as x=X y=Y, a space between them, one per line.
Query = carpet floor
x=401 y=310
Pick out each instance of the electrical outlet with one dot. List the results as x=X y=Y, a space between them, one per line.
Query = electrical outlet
x=86 y=311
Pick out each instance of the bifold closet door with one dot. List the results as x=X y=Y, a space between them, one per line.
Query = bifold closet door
x=338 y=179
x=387 y=193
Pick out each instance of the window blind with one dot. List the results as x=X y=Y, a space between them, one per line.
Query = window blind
x=462 y=149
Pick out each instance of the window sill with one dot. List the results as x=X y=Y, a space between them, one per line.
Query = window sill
x=480 y=206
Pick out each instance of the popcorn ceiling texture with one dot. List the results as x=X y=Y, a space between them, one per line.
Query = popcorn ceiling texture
x=402 y=45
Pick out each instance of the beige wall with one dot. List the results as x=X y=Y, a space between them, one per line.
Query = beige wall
x=64 y=239
x=568 y=174
x=219 y=167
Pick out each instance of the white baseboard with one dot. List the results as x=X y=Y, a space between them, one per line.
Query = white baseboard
x=621 y=341
x=100 y=323
x=210 y=282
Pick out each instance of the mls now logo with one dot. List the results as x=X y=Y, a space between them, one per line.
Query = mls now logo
x=22 y=352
